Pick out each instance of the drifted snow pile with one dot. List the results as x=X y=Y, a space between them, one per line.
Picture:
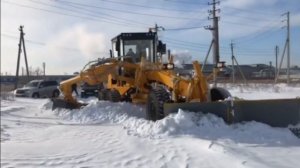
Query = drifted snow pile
x=204 y=126
x=99 y=112
x=255 y=91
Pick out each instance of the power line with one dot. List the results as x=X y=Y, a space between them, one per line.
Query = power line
x=253 y=11
x=92 y=13
x=128 y=12
x=29 y=41
x=186 y=42
x=263 y=35
x=44 y=44
x=238 y=23
x=65 y=14
x=261 y=31
x=183 y=28
x=186 y=45
x=252 y=49
x=231 y=14
x=194 y=47
x=144 y=6
x=111 y=19
x=186 y=2
x=189 y=43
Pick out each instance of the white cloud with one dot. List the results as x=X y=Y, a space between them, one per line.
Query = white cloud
x=182 y=57
x=295 y=19
x=91 y=45
x=247 y=3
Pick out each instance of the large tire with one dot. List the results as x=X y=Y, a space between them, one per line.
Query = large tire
x=113 y=95
x=35 y=95
x=217 y=94
x=82 y=95
x=102 y=95
x=155 y=105
x=55 y=93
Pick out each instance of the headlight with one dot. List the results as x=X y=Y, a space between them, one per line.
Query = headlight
x=170 y=66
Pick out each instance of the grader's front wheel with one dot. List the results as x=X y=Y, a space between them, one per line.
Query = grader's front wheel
x=156 y=99
x=102 y=95
x=113 y=95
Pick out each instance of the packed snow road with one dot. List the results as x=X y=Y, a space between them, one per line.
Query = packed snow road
x=105 y=134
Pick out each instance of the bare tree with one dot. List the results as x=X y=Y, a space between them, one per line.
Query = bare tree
x=38 y=71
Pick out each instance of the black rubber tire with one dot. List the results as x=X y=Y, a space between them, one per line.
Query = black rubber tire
x=219 y=94
x=113 y=95
x=102 y=95
x=156 y=99
x=55 y=93
x=35 y=95
x=82 y=94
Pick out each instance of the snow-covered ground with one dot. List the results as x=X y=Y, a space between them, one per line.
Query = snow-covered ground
x=105 y=134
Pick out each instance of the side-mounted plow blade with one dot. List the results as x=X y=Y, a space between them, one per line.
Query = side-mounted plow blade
x=276 y=113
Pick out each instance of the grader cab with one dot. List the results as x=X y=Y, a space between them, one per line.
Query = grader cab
x=132 y=47
x=135 y=73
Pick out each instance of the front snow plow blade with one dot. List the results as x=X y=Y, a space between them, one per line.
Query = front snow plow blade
x=61 y=103
x=276 y=113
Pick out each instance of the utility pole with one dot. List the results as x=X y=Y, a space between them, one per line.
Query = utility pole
x=215 y=32
x=22 y=69
x=21 y=44
x=288 y=48
x=288 y=45
x=232 y=59
x=276 y=60
x=205 y=61
x=44 y=69
x=156 y=28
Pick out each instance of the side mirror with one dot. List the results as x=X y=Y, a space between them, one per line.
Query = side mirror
x=161 y=47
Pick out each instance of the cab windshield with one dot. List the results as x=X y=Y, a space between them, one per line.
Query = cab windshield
x=136 y=49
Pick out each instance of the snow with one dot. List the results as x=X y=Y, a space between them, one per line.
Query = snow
x=105 y=134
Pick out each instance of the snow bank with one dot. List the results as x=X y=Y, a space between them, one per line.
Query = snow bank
x=208 y=126
x=254 y=91
x=97 y=112
x=7 y=96
x=4 y=135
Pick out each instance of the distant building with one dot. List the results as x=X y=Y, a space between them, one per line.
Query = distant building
x=254 y=71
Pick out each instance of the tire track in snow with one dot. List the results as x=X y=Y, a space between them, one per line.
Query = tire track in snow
x=171 y=153
x=45 y=161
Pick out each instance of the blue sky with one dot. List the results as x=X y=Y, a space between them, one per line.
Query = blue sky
x=67 y=34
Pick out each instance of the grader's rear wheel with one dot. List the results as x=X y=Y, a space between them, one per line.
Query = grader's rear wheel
x=155 y=105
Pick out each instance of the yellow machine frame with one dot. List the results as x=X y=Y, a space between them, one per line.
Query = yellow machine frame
x=140 y=76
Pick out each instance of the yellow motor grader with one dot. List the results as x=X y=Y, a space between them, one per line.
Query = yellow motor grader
x=135 y=72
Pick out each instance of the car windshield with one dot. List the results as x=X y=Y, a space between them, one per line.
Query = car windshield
x=32 y=84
